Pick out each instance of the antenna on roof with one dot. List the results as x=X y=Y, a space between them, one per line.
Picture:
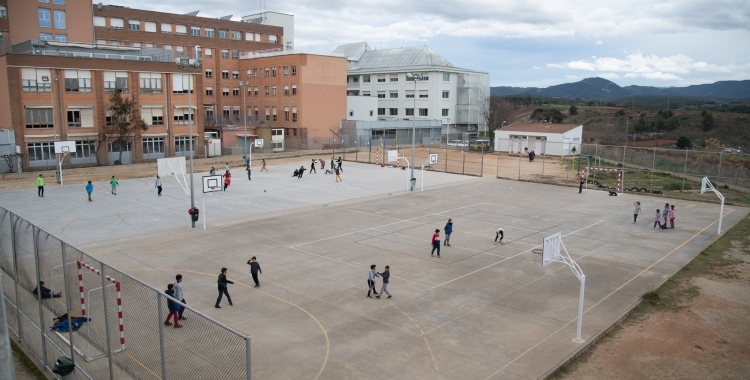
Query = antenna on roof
x=194 y=13
x=228 y=17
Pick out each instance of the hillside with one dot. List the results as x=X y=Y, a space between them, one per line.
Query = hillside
x=603 y=89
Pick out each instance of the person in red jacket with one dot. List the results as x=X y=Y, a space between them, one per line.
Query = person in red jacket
x=435 y=243
x=227 y=180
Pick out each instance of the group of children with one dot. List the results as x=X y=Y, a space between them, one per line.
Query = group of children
x=385 y=275
x=668 y=213
x=335 y=168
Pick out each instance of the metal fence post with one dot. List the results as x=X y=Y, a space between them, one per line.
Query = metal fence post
x=6 y=360
x=721 y=156
x=543 y=168
x=35 y=236
x=481 y=165
x=247 y=358
x=15 y=274
x=161 y=337
x=446 y=153
x=653 y=169
x=67 y=302
x=497 y=165
x=106 y=322
x=684 y=171
x=463 y=162
x=519 y=166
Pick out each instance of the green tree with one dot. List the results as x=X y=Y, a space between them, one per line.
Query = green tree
x=684 y=143
x=708 y=120
x=126 y=124
x=550 y=115
x=573 y=110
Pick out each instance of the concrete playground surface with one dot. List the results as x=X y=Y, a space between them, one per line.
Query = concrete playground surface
x=481 y=311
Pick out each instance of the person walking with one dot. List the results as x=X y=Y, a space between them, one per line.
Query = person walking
x=312 y=167
x=113 y=182
x=226 y=167
x=435 y=243
x=212 y=171
x=499 y=234
x=254 y=270
x=657 y=219
x=263 y=163
x=178 y=294
x=338 y=164
x=665 y=215
x=580 y=185
x=249 y=171
x=157 y=185
x=89 y=190
x=672 y=216
x=222 y=281
x=338 y=176
x=227 y=180
x=636 y=210
x=40 y=186
x=384 y=289
x=371 y=281
x=301 y=171
x=173 y=307
x=448 y=229
x=322 y=164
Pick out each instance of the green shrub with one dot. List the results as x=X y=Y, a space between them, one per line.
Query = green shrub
x=677 y=186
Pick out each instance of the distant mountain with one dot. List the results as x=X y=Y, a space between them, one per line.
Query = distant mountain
x=600 y=88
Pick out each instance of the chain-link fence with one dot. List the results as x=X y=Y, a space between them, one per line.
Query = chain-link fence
x=115 y=327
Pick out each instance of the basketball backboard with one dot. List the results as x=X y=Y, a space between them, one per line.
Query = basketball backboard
x=258 y=143
x=211 y=183
x=392 y=155
x=552 y=249
x=65 y=147
x=170 y=167
x=705 y=185
x=433 y=158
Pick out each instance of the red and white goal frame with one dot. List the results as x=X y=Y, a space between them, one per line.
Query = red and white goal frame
x=116 y=283
x=620 y=175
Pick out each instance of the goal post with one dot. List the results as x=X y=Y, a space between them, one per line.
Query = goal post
x=98 y=324
x=706 y=185
x=620 y=175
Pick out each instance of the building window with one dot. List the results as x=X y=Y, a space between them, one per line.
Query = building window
x=115 y=81
x=394 y=78
x=445 y=112
x=33 y=80
x=39 y=118
x=195 y=31
x=365 y=79
x=116 y=23
x=248 y=36
x=45 y=36
x=166 y=28
x=223 y=34
x=267 y=71
x=44 y=18
x=153 y=145
x=381 y=111
x=235 y=115
x=150 y=26
x=182 y=114
x=272 y=39
x=80 y=117
x=3 y=11
x=235 y=74
x=273 y=90
x=224 y=74
x=236 y=35
x=249 y=91
x=180 y=50
x=365 y=93
x=60 y=19
x=183 y=143
x=180 y=30
x=134 y=25
x=225 y=91
x=409 y=94
x=381 y=78
x=58 y=2
x=236 y=91
x=255 y=90
x=351 y=113
x=208 y=32
x=249 y=74
x=446 y=94
x=409 y=111
x=43 y=151
x=100 y=21
x=225 y=54
x=209 y=73
x=286 y=114
x=294 y=89
x=423 y=112
x=268 y=113
x=286 y=71
x=235 y=54
x=294 y=70
x=274 y=112
x=424 y=77
x=423 y=94
x=182 y=84
x=446 y=77
x=255 y=111
x=381 y=94
x=286 y=90
x=209 y=52
x=77 y=81
x=393 y=111
x=150 y=83
x=393 y=95
x=84 y=149
x=209 y=91
x=255 y=73
x=268 y=90
x=294 y=114
x=273 y=72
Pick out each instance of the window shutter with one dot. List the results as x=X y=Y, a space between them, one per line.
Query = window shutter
x=186 y=82
x=181 y=29
x=99 y=21
x=150 y=26
x=177 y=82
x=116 y=23
x=71 y=74
x=87 y=118
x=27 y=73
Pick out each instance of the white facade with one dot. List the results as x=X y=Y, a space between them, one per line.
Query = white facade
x=444 y=92
x=363 y=108
x=283 y=20
x=559 y=139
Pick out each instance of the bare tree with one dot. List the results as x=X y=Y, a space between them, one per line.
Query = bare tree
x=126 y=124
x=494 y=110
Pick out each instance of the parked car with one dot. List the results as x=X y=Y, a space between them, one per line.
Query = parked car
x=480 y=144
x=458 y=143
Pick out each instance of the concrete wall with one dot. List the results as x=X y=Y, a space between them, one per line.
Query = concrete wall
x=363 y=108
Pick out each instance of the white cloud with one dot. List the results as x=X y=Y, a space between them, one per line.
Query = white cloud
x=610 y=76
x=645 y=66
x=536 y=67
x=599 y=42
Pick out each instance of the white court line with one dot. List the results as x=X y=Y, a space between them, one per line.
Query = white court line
x=384 y=225
x=516 y=255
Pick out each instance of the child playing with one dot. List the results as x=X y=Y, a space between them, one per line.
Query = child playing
x=657 y=219
x=672 y=216
x=173 y=307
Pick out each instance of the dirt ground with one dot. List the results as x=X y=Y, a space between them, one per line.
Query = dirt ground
x=696 y=328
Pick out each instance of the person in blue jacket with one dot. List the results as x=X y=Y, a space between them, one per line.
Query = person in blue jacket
x=89 y=190
x=448 y=231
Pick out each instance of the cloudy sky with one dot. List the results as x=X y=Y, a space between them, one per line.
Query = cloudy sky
x=528 y=43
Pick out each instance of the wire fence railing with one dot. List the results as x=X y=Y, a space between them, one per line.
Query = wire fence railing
x=115 y=326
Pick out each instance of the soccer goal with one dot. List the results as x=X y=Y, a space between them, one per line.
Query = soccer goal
x=620 y=175
x=707 y=186
x=92 y=306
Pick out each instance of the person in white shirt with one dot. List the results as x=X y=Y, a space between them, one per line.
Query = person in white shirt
x=157 y=184
x=371 y=281
x=499 y=234
x=178 y=294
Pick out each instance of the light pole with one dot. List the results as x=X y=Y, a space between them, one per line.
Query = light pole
x=244 y=86
x=413 y=77
x=190 y=65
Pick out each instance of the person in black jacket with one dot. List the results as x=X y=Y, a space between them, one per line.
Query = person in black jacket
x=222 y=281
x=254 y=270
x=46 y=293
x=384 y=289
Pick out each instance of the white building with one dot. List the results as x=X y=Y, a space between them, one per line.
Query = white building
x=364 y=108
x=542 y=138
x=444 y=92
x=283 y=20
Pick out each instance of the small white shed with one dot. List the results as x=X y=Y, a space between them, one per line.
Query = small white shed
x=542 y=138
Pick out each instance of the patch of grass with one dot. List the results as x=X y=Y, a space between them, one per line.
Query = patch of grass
x=676 y=186
x=27 y=364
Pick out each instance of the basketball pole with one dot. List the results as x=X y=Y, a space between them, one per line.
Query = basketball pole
x=203 y=199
